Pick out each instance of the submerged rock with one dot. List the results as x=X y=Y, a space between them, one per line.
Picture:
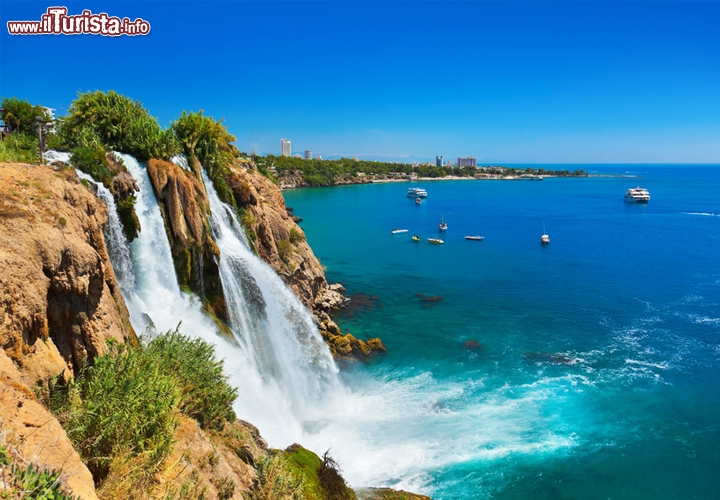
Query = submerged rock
x=548 y=357
x=472 y=345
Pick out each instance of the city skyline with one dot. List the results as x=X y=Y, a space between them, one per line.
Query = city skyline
x=534 y=82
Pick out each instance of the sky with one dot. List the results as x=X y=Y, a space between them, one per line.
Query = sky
x=506 y=82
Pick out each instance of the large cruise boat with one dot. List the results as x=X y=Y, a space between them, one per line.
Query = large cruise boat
x=637 y=195
x=417 y=193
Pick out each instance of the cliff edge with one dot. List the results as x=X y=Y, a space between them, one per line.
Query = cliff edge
x=280 y=242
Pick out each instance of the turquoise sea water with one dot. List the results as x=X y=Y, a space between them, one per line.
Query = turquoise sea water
x=597 y=373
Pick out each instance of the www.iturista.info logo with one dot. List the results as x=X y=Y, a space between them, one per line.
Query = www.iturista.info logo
x=56 y=22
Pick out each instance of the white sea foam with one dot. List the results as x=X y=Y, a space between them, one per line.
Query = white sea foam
x=704 y=214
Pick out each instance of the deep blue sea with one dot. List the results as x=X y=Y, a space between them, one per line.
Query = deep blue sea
x=588 y=368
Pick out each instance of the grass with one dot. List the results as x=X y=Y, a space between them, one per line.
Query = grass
x=122 y=411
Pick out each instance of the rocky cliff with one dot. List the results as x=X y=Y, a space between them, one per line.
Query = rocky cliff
x=59 y=305
x=280 y=242
x=184 y=206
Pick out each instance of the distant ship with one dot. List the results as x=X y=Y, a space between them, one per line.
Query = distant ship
x=417 y=193
x=637 y=195
x=544 y=239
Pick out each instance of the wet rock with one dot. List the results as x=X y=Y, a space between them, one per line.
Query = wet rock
x=472 y=345
x=548 y=357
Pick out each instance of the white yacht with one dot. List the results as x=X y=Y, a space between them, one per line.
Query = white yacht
x=417 y=193
x=637 y=195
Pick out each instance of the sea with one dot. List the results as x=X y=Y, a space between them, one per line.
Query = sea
x=588 y=368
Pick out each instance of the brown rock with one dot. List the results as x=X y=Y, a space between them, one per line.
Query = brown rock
x=123 y=185
x=184 y=206
x=59 y=299
x=38 y=437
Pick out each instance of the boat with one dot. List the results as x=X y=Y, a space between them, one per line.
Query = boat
x=416 y=238
x=418 y=201
x=417 y=193
x=474 y=238
x=443 y=224
x=531 y=177
x=637 y=195
x=437 y=241
x=544 y=239
x=398 y=231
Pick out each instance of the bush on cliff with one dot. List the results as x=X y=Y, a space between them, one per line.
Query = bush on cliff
x=19 y=148
x=124 y=407
x=210 y=142
x=117 y=123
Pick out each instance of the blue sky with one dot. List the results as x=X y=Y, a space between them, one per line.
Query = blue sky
x=506 y=82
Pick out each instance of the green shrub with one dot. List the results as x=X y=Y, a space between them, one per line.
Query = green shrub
x=20 y=148
x=62 y=221
x=284 y=250
x=276 y=480
x=296 y=236
x=123 y=404
x=128 y=217
x=206 y=395
x=332 y=481
x=37 y=484
x=91 y=160
x=211 y=143
x=127 y=403
x=117 y=123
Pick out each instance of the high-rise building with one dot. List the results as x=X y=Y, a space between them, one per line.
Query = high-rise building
x=285 y=147
x=318 y=157
x=308 y=154
x=468 y=161
x=439 y=161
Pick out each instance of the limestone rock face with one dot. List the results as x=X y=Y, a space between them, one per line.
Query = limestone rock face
x=184 y=206
x=280 y=242
x=59 y=305
x=36 y=436
x=59 y=299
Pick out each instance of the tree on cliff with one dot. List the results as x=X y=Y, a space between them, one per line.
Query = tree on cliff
x=20 y=115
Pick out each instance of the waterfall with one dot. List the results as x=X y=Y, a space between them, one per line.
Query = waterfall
x=284 y=371
x=115 y=240
x=274 y=329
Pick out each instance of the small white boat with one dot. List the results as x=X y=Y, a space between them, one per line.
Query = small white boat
x=436 y=241
x=418 y=201
x=443 y=224
x=398 y=231
x=637 y=195
x=474 y=238
x=416 y=238
x=544 y=239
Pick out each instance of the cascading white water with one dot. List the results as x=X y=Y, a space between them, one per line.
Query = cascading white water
x=277 y=360
x=115 y=240
x=269 y=321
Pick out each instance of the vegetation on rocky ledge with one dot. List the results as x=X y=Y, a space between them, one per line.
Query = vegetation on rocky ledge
x=125 y=406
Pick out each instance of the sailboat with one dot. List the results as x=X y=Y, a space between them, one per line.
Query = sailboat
x=544 y=239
